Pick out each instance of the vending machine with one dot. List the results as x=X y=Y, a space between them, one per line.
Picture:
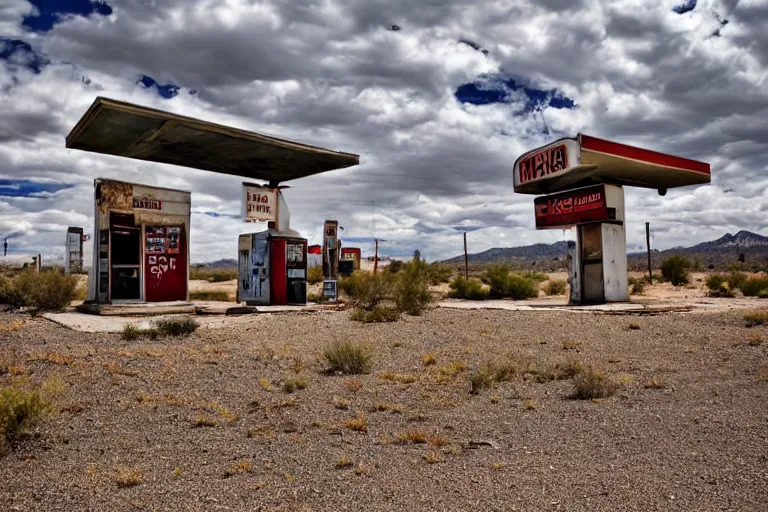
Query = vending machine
x=272 y=269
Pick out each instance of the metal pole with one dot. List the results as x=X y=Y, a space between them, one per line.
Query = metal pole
x=376 y=257
x=648 y=245
x=466 y=258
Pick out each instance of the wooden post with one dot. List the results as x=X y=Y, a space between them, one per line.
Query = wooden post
x=466 y=258
x=376 y=257
x=648 y=245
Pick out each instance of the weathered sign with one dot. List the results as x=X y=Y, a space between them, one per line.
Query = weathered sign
x=147 y=203
x=572 y=207
x=259 y=203
x=546 y=163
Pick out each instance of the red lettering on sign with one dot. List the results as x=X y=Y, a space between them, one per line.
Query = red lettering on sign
x=573 y=207
x=543 y=163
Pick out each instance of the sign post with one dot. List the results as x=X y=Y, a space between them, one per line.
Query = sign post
x=259 y=203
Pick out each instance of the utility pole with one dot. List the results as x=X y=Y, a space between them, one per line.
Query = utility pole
x=376 y=257
x=648 y=245
x=466 y=258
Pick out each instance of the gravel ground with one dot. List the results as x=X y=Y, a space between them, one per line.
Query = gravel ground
x=700 y=443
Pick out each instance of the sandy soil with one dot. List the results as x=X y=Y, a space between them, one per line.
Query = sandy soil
x=697 y=444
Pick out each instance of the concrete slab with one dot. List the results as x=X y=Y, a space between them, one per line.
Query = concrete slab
x=138 y=309
x=85 y=322
x=644 y=307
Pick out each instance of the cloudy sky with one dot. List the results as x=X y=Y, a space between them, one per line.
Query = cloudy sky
x=439 y=97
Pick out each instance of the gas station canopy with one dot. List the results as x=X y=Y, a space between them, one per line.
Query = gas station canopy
x=132 y=131
x=583 y=161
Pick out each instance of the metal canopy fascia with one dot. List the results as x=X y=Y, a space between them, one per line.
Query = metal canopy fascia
x=133 y=131
x=590 y=161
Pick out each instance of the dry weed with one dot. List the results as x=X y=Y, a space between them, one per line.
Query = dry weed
x=353 y=385
x=428 y=359
x=529 y=405
x=411 y=436
x=592 y=383
x=655 y=383
x=397 y=377
x=453 y=369
x=340 y=403
x=202 y=420
x=125 y=477
x=385 y=407
x=358 y=424
x=344 y=462
x=241 y=466
x=432 y=458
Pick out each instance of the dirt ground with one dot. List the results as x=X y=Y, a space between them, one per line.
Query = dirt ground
x=697 y=443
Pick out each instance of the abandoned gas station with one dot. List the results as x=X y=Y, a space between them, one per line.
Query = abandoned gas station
x=585 y=179
x=142 y=233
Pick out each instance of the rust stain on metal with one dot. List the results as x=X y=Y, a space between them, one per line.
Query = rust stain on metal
x=115 y=195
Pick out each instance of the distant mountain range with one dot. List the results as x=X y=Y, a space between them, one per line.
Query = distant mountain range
x=715 y=254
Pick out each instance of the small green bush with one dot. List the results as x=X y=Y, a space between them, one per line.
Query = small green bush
x=675 y=270
x=736 y=280
x=535 y=276
x=754 y=318
x=215 y=275
x=555 y=287
x=395 y=266
x=754 y=285
x=131 y=332
x=365 y=289
x=507 y=285
x=638 y=288
x=411 y=288
x=210 y=295
x=471 y=289
x=590 y=383
x=379 y=314
x=718 y=286
x=315 y=275
x=20 y=410
x=292 y=384
x=317 y=297
x=348 y=358
x=492 y=372
x=176 y=326
x=49 y=290
x=439 y=273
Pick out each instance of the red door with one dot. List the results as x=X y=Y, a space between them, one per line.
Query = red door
x=278 y=274
x=165 y=263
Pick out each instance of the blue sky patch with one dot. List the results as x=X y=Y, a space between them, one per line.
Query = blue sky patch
x=685 y=7
x=27 y=188
x=219 y=215
x=167 y=91
x=488 y=89
x=19 y=54
x=50 y=12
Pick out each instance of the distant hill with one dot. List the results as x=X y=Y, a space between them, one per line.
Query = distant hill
x=719 y=253
x=536 y=255
x=225 y=263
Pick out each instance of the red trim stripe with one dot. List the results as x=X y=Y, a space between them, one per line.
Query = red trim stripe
x=589 y=143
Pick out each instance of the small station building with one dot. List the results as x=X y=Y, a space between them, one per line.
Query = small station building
x=142 y=233
x=584 y=179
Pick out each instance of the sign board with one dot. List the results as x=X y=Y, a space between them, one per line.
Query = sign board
x=545 y=163
x=573 y=207
x=330 y=290
x=147 y=203
x=259 y=203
